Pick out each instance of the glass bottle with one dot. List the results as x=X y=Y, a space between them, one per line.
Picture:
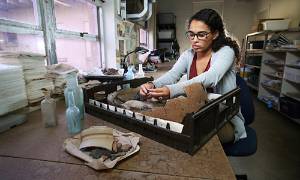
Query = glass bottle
x=140 y=73
x=72 y=115
x=48 y=108
x=72 y=85
x=128 y=76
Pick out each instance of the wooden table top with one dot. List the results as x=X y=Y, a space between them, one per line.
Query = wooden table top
x=31 y=151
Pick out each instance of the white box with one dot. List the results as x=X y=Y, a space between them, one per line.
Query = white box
x=275 y=25
x=166 y=18
x=292 y=74
x=166 y=34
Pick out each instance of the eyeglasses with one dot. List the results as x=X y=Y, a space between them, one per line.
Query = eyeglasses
x=200 y=35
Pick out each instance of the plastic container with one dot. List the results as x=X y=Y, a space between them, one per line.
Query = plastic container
x=254 y=60
x=48 y=108
x=275 y=25
x=166 y=18
x=245 y=72
x=296 y=43
x=166 y=34
x=166 y=46
x=256 y=44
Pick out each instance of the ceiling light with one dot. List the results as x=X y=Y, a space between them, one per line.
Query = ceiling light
x=62 y=3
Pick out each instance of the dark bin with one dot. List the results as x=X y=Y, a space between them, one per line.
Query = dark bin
x=257 y=44
x=254 y=60
x=290 y=107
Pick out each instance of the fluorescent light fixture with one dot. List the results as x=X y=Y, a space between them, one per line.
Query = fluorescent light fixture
x=62 y=3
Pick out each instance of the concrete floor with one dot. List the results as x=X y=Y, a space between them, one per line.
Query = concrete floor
x=278 y=153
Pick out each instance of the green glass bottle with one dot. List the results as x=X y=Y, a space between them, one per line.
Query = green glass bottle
x=73 y=115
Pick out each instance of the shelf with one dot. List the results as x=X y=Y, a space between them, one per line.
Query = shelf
x=252 y=86
x=124 y=38
x=255 y=51
x=293 y=66
x=271 y=75
x=287 y=80
x=271 y=88
x=166 y=26
x=253 y=54
x=274 y=61
x=293 y=96
x=258 y=67
x=282 y=50
x=273 y=64
x=256 y=33
x=293 y=119
x=165 y=40
x=268 y=31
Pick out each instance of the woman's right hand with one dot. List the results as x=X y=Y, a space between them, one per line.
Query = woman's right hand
x=144 y=90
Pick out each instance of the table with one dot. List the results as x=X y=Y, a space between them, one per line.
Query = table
x=31 y=151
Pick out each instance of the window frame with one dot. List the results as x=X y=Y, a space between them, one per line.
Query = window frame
x=46 y=28
x=147 y=38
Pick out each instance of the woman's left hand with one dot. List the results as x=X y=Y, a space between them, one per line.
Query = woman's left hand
x=160 y=93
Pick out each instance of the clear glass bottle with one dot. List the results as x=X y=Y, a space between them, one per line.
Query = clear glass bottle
x=73 y=115
x=72 y=85
x=48 y=108
x=140 y=73
x=128 y=76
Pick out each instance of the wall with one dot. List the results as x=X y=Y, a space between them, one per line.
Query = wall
x=237 y=14
x=280 y=9
x=110 y=34
x=152 y=28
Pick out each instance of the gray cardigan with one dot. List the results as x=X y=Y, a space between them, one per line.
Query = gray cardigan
x=221 y=76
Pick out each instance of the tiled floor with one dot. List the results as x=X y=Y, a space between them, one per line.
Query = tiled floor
x=278 y=153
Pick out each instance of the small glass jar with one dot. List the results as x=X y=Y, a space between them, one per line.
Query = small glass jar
x=48 y=108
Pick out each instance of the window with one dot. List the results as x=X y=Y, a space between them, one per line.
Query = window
x=24 y=11
x=76 y=40
x=76 y=15
x=13 y=42
x=80 y=53
x=20 y=29
x=143 y=38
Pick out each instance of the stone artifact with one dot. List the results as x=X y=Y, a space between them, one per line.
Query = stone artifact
x=102 y=147
x=176 y=109
x=172 y=109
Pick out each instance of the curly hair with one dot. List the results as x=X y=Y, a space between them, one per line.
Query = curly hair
x=211 y=18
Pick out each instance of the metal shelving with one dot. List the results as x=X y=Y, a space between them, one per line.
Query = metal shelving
x=277 y=67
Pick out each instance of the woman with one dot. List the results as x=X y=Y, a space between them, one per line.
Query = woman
x=210 y=61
